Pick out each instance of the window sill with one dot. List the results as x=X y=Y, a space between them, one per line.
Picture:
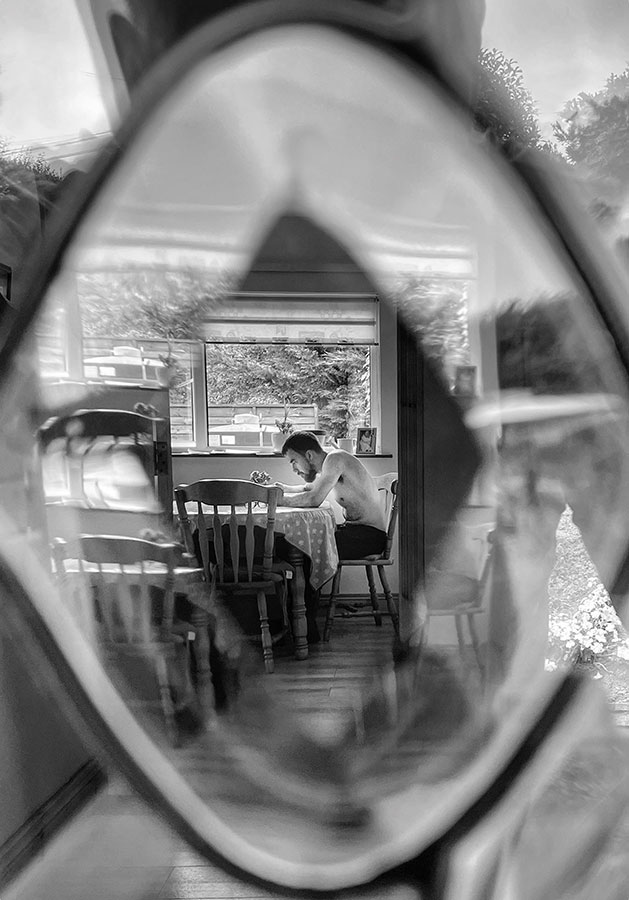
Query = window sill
x=244 y=454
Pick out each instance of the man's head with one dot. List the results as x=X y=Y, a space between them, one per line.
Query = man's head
x=305 y=454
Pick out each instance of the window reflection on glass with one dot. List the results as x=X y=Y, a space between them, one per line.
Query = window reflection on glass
x=572 y=110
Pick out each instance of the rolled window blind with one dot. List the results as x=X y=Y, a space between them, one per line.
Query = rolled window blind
x=293 y=318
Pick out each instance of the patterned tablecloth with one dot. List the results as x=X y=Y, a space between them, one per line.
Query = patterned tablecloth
x=310 y=530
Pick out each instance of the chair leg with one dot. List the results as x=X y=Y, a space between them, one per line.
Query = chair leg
x=183 y=664
x=388 y=596
x=265 y=631
x=336 y=585
x=168 y=707
x=373 y=593
x=475 y=643
x=458 y=621
x=283 y=597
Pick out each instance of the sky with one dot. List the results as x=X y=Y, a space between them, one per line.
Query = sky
x=49 y=92
x=562 y=46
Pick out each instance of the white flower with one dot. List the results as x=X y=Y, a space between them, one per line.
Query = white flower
x=623 y=651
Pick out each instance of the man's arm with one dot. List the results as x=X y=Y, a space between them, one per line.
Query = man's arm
x=292 y=488
x=314 y=494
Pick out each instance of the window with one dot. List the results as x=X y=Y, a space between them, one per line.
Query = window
x=250 y=387
x=304 y=358
x=227 y=392
x=140 y=360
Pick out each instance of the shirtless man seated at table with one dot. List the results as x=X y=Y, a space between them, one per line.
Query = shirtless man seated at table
x=339 y=475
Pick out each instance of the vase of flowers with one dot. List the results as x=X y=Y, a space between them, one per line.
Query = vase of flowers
x=284 y=428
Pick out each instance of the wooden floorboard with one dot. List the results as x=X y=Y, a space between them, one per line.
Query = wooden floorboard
x=324 y=691
x=118 y=848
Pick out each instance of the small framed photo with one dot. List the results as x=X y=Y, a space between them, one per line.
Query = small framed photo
x=366 y=440
x=465 y=381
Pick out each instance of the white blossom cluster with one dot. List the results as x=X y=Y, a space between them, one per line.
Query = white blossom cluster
x=594 y=629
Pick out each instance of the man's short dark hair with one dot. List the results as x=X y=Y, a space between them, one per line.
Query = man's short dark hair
x=300 y=442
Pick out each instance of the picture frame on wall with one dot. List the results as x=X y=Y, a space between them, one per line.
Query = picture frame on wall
x=366 y=441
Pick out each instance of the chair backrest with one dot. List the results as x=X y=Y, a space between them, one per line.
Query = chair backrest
x=487 y=564
x=453 y=588
x=91 y=424
x=388 y=485
x=230 y=540
x=68 y=520
x=116 y=565
x=89 y=438
x=477 y=523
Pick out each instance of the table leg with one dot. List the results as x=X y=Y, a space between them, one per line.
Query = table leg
x=297 y=589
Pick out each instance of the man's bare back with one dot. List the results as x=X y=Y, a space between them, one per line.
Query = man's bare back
x=337 y=474
x=357 y=494
x=341 y=475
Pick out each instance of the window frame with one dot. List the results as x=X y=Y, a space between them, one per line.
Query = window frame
x=200 y=418
x=199 y=388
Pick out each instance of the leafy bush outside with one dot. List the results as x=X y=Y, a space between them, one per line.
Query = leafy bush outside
x=584 y=629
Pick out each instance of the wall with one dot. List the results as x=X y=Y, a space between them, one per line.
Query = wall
x=39 y=751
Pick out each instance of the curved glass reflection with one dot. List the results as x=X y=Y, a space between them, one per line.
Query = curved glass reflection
x=264 y=228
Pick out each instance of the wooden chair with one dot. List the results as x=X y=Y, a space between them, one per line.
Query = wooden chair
x=119 y=573
x=462 y=594
x=236 y=551
x=388 y=484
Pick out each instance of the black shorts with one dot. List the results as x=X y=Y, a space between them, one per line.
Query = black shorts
x=357 y=541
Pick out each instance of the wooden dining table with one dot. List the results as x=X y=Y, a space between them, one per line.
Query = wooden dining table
x=308 y=533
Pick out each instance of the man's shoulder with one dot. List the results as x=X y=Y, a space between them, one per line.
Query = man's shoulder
x=339 y=460
x=339 y=455
x=343 y=461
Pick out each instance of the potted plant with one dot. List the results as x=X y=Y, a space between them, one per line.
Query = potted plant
x=284 y=428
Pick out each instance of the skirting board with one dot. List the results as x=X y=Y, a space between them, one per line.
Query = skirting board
x=31 y=837
x=358 y=595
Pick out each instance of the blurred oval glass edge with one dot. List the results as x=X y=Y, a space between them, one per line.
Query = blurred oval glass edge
x=269 y=770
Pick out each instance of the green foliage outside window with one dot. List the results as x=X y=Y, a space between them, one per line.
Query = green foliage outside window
x=593 y=130
x=504 y=108
x=336 y=379
x=436 y=310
